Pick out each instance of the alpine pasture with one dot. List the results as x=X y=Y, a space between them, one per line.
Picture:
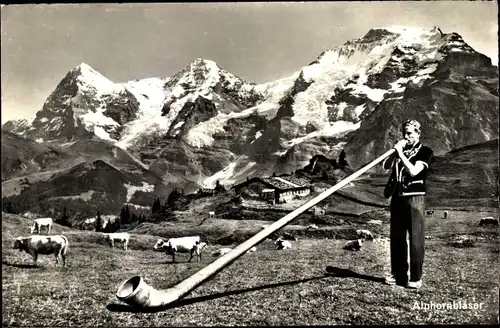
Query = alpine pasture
x=314 y=283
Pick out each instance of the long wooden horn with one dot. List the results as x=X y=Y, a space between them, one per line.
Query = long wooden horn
x=138 y=294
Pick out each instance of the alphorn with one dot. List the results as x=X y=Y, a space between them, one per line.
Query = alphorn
x=138 y=294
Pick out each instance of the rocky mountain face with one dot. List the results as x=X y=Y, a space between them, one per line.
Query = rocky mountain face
x=205 y=124
x=84 y=104
x=18 y=127
x=457 y=106
x=391 y=75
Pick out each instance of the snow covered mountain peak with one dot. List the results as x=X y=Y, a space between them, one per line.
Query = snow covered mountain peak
x=204 y=62
x=409 y=31
x=204 y=75
x=413 y=36
x=419 y=38
x=84 y=67
x=369 y=69
x=180 y=101
x=86 y=76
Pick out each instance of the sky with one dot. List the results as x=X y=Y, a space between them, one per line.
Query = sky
x=257 y=41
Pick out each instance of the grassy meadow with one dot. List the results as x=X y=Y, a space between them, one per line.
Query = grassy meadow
x=315 y=283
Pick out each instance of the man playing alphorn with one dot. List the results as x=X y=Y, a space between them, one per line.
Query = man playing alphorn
x=407 y=186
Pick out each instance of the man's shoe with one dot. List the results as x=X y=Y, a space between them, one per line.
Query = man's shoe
x=391 y=280
x=414 y=284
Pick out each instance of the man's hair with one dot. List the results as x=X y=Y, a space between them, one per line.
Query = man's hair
x=413 y=123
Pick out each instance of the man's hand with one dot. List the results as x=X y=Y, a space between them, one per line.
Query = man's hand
x=400 y=145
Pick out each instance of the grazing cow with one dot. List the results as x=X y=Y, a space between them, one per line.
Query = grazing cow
x=221 y=251
x=282 y=244
x=120 y=237
x=179 y=245
x=488 y=220
x=198 y=248
x=38 y=224
x=364 y=234
x=46 y=245
x=354 y=245
x=289 y=236
x=445 y=215
x=251 y=250
x=430 y=212
x=211 y=214
x=312 y=226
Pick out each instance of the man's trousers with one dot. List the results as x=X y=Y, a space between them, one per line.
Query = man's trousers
x=407 y=237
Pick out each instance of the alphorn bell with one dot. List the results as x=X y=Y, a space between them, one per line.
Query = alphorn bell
x=138 y=294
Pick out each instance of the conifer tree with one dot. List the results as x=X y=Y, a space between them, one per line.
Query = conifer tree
x=98 y=222
x=342 y=159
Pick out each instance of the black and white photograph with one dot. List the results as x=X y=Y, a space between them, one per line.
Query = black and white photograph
x=250 y=164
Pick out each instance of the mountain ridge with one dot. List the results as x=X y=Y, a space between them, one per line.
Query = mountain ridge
x=204 y=124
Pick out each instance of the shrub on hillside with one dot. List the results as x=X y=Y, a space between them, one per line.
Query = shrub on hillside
x=327 y=220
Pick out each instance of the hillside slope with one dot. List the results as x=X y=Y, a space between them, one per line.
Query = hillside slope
x=466 y=177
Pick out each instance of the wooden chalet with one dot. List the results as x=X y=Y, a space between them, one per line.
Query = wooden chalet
x=273 y=189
